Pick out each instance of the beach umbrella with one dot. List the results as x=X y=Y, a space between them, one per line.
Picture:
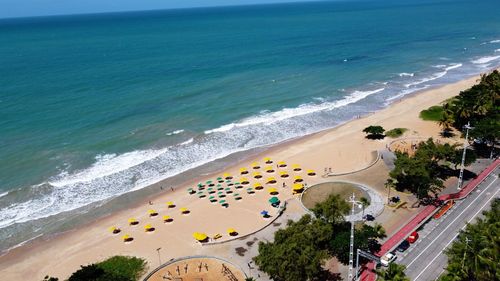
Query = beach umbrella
x=202 y=195
x=200 y=192
x=167 y=219
x=191 y=191
x=298 y=179
x=258 y=186
x=220 y=179
x=298 y=187
x=227 y=188
x=209 y=182
x=269 y=169
x=127 y=238
x=184 y=210
x=284 y=174
x=211 y=197
x=274 y=200
x=148 y=228
x=257 y=175
x=170 y=204
x=296 y=167
x=244 y=181
x=281 y=164
x=133 y=221
x=200 y=184
x=243 y=171
x=272 y=191
x=114 y=230
x=227 y=176
x=268 y=160
x=271 y=180
x=255 y=165
x=152 y=213
x=232 y=232
x=200 y=236
x=311 y=173
x=264 y=213
x=223 y=201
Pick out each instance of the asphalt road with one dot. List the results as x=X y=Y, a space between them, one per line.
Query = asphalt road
x=425 y=259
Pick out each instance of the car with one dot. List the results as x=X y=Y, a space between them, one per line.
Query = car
x=388 y=258
x=369 y=217
x=413 y=237
x=403 y=246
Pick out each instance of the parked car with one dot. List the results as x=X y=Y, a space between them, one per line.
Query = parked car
x=413 y=237
x=403 y=246
x=369 y=217
x=388 y=258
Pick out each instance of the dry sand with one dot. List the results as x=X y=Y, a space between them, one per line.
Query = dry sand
x=343 y=149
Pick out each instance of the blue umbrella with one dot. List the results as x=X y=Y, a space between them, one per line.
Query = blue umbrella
x=264 y=213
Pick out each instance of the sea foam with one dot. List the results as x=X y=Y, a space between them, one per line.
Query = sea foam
x=436 y=75
x=485 y=60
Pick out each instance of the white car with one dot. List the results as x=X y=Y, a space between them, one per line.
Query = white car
x=387 y=259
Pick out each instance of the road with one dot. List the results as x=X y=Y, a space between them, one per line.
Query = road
x=425 y=259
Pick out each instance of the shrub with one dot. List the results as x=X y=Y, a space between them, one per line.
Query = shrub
x=117 y=268
x=433 y=113
x=396 y=132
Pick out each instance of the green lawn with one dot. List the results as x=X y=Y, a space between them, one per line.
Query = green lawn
x=433 y=113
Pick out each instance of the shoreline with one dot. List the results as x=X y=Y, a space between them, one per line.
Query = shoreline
x=286 y=149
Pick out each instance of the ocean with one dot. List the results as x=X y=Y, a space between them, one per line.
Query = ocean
x=94 y=108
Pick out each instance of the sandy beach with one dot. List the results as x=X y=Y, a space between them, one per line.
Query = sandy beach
x=343 y=149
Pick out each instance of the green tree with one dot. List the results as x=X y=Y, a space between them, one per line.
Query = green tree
x=117 y=268
x=364 y=203
x=395 y=272
x=476 y=252
x=374 y=132
x=332 y=210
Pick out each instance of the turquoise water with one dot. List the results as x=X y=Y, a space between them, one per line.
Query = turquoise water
x=95 y=106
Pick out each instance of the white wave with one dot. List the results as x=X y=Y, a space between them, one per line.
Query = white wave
x=435 y=76
x=405 y=92
x=405 y=74
x=497 y=50
x=106 y=165
x=495 y=41
x=3 y=194
x=287 y=113
x=485 y=60
x=187 y=142
x=174 y=132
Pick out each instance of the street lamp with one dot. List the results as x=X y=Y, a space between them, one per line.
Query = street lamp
x=159 y=257
x=460 y=177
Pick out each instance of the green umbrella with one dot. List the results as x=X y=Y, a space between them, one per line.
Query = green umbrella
x=274 y=200
x=200 y=192
x=220 y=192
x=210 y=188
x=236 y=194
x=250 y=188
x=209 y=182
x=227 y=188
x=200 y=185
x=190 y=189
x=211 y=197
x=222 y=201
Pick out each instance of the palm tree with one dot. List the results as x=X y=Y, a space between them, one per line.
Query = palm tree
x=364 y=203
x=395 y=272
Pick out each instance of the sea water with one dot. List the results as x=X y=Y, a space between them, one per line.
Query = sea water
x=96 y=106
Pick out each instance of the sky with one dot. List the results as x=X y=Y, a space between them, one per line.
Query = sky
x=29 y=8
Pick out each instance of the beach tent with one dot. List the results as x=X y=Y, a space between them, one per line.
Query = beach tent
x=152 y=213
x=269 y=169
x=273 y=191
x=271 y=180
x=281 y=164
x=274 y=200
x=284 y=174
x=114 y=230
x=167 y=219
x=311 y=173
x=232 y=232
x=257 y=175
x=200 y=237
x=133 y=221
x=127 y=238
x=149 y=228
x=268 y=160
x=255 y=165
x=298 y=179
x=243 y=171
x=296 y=167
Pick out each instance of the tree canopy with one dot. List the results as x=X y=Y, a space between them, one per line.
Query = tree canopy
x=374 y=132
x=395 y=272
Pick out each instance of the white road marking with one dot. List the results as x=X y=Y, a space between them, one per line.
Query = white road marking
x=482 y=207
x=449 y=225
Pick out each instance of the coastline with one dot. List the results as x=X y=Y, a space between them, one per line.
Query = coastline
x=31 y=258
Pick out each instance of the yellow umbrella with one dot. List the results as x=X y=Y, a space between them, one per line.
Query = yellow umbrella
x=167 y=218
x=132 y=221
x=257 y=175
x=272 y=190
x=257 y=184
x=244 y=181
x=243 y=171
x=127 y=238
x=149 y=227
x=298 y=186
x=281 y=164
x=296 y=167
x=184 y=210
x=298 y=178
x=311 y=172
x=283 y=174
x=170 y=204
x=114 y=230
x=152 y=213
x=269 y=169
x=271 y=180
x=200 y=236
x=255 y=165
x=227 y=176
x=268 y=160
x=232 y=231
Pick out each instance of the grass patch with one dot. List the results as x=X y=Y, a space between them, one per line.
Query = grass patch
x=433 y=113
x=396 y=132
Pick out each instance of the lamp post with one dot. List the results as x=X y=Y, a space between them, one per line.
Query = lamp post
x=159 y=257
x=460 y=177
x=351 y=243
